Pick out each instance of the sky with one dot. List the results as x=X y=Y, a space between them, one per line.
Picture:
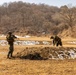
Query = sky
x=48 y=2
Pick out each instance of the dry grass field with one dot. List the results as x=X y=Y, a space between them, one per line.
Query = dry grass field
x=17 y=66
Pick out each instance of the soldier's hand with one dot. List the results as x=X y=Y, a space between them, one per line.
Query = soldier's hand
x=17 y=39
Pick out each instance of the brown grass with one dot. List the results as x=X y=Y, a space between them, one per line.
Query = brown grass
x=35 y=67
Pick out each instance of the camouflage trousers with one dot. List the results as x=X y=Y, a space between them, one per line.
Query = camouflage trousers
x=11 y=49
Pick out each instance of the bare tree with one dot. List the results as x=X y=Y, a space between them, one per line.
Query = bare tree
x=68 y=16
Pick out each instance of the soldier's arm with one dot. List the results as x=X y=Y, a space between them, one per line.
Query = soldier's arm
x=14 y=36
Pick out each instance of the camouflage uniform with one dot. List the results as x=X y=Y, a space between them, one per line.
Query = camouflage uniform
x=56 y=41
x=10 y=39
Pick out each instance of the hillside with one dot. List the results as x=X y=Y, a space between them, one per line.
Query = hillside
x=39 y=20
x=68 y=33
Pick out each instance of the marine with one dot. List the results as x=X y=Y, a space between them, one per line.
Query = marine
x=56 y=40
x=10 y=39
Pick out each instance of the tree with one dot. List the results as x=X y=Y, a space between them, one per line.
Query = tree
x=68 y=16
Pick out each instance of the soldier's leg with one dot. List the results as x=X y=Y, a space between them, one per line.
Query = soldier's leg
x=57 y=44
x=60 y=43
x=11 y=51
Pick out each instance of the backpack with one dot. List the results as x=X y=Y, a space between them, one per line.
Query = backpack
x=10 y=38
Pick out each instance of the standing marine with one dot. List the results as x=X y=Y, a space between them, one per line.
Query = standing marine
x=10 y=39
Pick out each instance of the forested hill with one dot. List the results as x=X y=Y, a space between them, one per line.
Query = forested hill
x=31 y=19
